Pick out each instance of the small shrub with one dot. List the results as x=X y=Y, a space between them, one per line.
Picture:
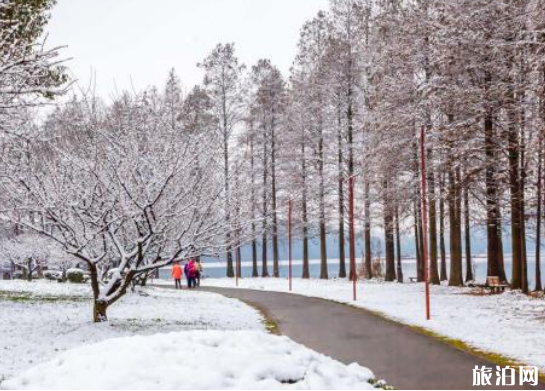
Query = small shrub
x=53 y=275
x=76 y=276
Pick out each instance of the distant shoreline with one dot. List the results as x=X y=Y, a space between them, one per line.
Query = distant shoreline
x=477 y=258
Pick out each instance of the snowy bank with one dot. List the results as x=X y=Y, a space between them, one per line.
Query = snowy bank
x=194 y=360
x=44 y=288
x=40 y=319
x=510 y=324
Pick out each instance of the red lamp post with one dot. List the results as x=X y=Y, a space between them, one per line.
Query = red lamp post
x=425 y=219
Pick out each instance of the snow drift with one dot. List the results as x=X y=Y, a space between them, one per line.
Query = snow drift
x=194 y=360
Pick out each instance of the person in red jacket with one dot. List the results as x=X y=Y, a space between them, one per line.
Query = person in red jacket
x=177 y=273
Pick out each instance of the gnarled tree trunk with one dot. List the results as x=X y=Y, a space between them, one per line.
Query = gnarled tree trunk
x=99 y=311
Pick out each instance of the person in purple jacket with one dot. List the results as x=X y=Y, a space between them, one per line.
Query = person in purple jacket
x=191 y=273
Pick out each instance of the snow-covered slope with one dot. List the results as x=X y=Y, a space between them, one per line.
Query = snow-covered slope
x=155 y=339
x=40 y=319
x=194 y=360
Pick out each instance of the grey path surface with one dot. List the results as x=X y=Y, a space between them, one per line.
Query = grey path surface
x=402 y=356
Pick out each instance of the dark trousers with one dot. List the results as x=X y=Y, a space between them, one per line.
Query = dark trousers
x=191 y=282
x=198 y=279
x=177 y=283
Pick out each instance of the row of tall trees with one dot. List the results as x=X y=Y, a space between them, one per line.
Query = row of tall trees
x=367 y=76
x=159 y=175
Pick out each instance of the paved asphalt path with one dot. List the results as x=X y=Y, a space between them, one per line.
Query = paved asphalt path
x=405 y=358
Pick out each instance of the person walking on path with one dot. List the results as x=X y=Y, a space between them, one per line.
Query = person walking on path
x=177 y=275
x=190 y=273
x=198 y=271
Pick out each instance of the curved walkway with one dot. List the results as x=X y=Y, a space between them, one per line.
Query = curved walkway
x=402 y=356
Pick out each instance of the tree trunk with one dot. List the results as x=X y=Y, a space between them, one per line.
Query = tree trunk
x=421 y=241
x=492 y=208
x=264 y=266
x=456 y=278
x=442 y=248
x=388 y=236
x=323 y=251
x=99 y=311
x=238 y=267
x=538 y=285
x=276 y=268
x=350 y=136
x=276 y=271
x=367 y=231
x=398 y=247
x=417 y=211
x=515 y=203
x=342 y=254
x=434 y=272
x=467 y=233
x=305 y=271
x=501 y=265
x=143 y=280
x=230 y=271
x=237 y=232
x=323 y=231
x=29 y=270
x=417 y=247
x=524 y=257
x=368 y=263
x=255 y=272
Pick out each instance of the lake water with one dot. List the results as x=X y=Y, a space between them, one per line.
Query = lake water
x=218 y=269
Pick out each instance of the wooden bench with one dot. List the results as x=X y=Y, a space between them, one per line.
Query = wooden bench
x=494 y=284
x=413 y=279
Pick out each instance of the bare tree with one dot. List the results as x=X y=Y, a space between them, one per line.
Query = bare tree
x=117 y=189
x=223 y=83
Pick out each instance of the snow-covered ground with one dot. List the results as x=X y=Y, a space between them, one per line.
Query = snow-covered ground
x=39 y=319
x=155 y=339
x=511 y=324
x=194 y=360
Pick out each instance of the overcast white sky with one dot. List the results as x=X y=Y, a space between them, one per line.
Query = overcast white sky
x=140 y=40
